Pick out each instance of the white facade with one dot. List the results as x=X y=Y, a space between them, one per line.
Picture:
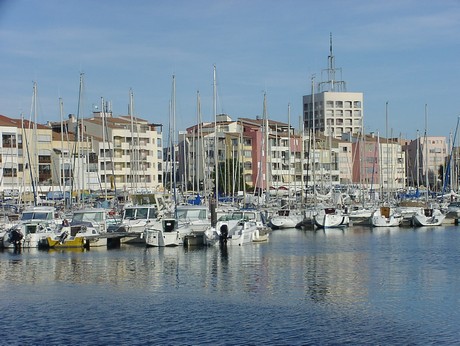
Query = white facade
x=335 y=113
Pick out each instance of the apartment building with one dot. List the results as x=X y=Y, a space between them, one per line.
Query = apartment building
x=25 y=158
x=128 y=149
x=427 y=161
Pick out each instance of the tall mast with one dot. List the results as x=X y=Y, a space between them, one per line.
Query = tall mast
x=77 y=139
x=173 y=154
x=302 y=160
x=200 y=151
x=133 y=170
x=61 y=116
x=103 y=146
x=33 y=164
x=313 y=161
x=427 y=181
x=267 y=164
x=417 y=161
x=387 y=175
x=197 y=147
x=216 y=156
x=289 y=155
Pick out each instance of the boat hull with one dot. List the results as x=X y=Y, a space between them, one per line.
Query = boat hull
x=77 y=242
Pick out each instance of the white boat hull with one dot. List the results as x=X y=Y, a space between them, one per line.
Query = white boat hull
x=280 y=222
x=159 y=238
x=331 y=220
x=435 y=219
x=231 y=233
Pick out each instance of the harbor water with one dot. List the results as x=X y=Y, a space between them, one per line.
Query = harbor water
x=358 y=286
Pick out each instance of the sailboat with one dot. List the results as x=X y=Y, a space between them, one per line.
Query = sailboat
x=36 y=222
x=428 y=216
x=385 y=215
x=287 y=217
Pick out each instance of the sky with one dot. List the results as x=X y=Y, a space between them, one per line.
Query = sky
x=404 y=52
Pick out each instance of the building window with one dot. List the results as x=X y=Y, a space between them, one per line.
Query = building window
x=10 y=172
x=9 y=140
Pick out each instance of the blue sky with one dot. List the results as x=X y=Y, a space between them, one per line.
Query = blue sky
x=406 y=52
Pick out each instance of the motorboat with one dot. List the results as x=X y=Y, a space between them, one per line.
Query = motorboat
x=263 y=231
x=134 y=221
x=232 y=232
x=34 y=226
x=64 y=239
x=165 y=232
x=90 y=224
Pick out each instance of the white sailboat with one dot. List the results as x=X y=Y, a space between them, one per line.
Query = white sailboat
x=331 y=218
x=428 y=216
x=385 y=215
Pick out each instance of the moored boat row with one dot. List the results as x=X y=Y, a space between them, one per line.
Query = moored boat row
x=198 y=225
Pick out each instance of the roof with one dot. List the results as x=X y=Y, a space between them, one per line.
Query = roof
x=20 y=123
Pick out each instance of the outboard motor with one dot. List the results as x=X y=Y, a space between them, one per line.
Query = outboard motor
x=224 y=233
x=16 y=237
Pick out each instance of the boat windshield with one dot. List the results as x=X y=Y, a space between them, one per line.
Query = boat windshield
x=139 y=213
x=33 y=215
x=88 y=217
x=192 y=214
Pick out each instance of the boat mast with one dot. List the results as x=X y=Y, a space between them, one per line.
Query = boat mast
x=313 y=161
x=427 y=181
x=289 y=156
x=387 y=175
x=197 y=147
x=103 y=146
x=216 y=154
x=173 y=154
x=62 y=180
x=449 y=174
x=267 y=183
x=133 y=158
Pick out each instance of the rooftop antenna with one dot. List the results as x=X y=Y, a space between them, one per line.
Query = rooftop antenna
x=331 y=84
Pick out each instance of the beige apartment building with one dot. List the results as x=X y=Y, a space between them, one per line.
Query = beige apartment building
x=426 y=155
x=25 y=158
x=129 y=152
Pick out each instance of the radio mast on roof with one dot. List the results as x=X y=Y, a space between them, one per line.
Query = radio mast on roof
x=331 y=84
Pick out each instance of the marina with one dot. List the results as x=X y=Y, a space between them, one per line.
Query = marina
x=356 y=285
x=199 y=175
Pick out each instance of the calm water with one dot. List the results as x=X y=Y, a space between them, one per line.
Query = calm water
x=386 y=286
